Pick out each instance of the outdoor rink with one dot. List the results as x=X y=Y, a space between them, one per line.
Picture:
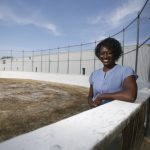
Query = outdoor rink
x=26 y=105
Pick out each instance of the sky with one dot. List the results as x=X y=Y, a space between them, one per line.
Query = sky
x=43 y=24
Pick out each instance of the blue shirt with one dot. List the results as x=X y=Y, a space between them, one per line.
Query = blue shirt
x=110 y=81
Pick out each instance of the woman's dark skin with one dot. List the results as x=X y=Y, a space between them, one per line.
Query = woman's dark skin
x=129 y=92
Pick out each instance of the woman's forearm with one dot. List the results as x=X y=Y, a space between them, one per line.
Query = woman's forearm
x=129 y=92
x=122 y=95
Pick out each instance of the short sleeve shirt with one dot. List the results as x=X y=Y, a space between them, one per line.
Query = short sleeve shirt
x=110 y=81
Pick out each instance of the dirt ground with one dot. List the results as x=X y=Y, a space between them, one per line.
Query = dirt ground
x=26 y=105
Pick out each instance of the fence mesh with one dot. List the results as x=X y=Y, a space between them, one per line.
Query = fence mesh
x=80 y=59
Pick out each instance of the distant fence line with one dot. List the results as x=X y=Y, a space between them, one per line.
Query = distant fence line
x=83 y=53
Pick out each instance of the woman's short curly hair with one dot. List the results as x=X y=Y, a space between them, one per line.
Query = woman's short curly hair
x=111 y=44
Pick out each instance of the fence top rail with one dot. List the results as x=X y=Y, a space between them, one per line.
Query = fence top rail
x=143 y=7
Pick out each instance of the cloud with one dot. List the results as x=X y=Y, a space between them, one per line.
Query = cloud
x=9 y=16
x=97 y=20
x=127 y=9
x=115 y=18
x=50 y=27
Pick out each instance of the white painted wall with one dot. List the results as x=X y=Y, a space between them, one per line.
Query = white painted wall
x=59 y=78
x=80 y=132
x=74 y=64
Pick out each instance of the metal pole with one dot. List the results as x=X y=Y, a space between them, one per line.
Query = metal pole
x=11 y=60
x=123 y=46
x=137 y=44
x=80 y=58
x=41 y=60
x=23 y=60
x=58 y=61
x=32 y=61
x=49 y=60
x=68 y=59
x=94 y=58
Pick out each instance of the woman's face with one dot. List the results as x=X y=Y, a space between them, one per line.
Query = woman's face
x=106 y=57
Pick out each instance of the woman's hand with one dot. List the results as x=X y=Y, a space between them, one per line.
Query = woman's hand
x=98 y=100
x=91 y=103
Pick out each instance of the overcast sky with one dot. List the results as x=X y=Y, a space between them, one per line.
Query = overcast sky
x=42 y=24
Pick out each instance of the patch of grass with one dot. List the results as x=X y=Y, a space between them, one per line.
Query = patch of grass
x=27 y=105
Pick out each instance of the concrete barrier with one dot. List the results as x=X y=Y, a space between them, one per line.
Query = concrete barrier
x=59 y=78
x=96 y=129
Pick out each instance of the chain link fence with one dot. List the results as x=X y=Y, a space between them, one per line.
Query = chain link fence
x=80 y=59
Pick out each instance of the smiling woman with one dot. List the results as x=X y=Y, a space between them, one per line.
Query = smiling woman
x=112 y=81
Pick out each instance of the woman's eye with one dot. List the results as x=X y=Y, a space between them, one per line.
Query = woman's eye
x=105 y=54
x=101 y=54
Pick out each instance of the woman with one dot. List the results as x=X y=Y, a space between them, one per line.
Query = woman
x=113 y=81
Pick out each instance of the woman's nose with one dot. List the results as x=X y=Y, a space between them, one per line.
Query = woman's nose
x=105 y=55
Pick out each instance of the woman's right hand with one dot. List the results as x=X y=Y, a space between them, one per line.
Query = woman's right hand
x=98 y=100
x=91 y=103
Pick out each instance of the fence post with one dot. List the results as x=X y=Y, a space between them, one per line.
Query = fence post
x=80 y=57
x=41 y=60
x=11 y=60
x=58 y=61
x=49 y=59
x=32 y=61
x=123 y=46
x=137 y=42
x=23 y=60
x=94 y=57
x=68 y=59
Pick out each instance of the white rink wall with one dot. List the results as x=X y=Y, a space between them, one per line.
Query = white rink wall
x=59 y=78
